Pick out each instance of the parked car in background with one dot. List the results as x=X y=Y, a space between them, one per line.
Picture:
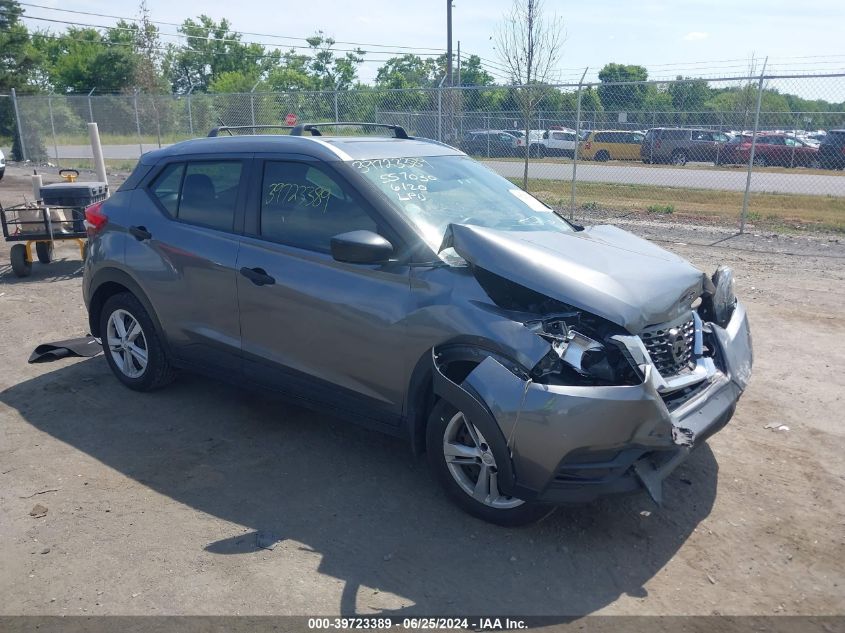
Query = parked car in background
x=832 y=150
x=2 y=164
x=491 y=143
x=558 y=143
x=604 y=145
x=778 y=149
x=682 y=145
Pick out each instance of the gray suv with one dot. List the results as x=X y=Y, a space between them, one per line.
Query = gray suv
x=402 y=285
x=682 y=145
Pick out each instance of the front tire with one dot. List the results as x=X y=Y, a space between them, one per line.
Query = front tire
x=462 y=462
x=132 y=345
x=20 y=265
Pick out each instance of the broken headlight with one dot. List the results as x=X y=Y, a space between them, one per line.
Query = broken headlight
x=724 y=297
x=577 y=356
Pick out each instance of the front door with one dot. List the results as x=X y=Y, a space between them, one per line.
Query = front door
x=319 y=329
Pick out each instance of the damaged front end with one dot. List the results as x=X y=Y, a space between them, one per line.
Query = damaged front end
x=606 y=410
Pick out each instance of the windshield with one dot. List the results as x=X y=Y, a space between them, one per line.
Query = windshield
x=436 y=191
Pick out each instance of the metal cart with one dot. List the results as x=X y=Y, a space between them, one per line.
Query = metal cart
x=58 y=215
x=38 y=224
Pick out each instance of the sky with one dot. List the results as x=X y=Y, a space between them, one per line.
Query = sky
x=690 y=37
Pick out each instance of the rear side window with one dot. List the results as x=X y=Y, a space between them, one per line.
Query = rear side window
x=603 y=137
x=210 y=193
x=676 y=135
x=166 y=187
x=304 y=206
x=203 y=193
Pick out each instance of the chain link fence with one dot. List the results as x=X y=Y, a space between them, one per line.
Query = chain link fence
x=751 y=148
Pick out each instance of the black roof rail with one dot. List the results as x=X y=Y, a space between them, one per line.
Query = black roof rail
x=228 y=128
x=398 y=130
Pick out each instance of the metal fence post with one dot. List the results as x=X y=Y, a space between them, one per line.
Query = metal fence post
x=753 y=149
x=158 y=119
x=90 y=107
x=488 y=135
x=53 y=128
x=18 y=121
x=440 y=109
x=336 y=111
x=190 y=112
x=138 y=122
x=577 y=147
x=252 y=104
x=794 y=139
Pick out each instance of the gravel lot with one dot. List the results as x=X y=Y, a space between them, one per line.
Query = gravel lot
x=153 y=501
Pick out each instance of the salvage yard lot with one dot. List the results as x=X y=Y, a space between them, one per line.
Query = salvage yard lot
x=154 y=500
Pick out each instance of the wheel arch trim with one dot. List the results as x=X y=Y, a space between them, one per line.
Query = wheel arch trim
x=119 y=277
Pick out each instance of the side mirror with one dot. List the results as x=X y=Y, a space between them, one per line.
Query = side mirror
x=361 y=247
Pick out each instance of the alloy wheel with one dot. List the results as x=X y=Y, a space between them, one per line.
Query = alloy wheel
x=127 y=344
x=472 y=464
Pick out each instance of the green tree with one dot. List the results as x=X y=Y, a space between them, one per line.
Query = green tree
x=689 y=95
x=329 y=71
x=627 y=97
x=82 y=58
x=407 y=71
x=19 y=64
x=213 y=49
x=291 y=74
x=473 y=73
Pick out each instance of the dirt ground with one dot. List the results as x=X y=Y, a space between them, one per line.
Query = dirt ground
x=154 y=500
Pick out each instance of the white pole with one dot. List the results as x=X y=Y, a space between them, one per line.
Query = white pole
x=36 y=186
x=97 y=151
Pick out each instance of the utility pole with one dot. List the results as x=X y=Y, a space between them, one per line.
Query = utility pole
x=448 y=42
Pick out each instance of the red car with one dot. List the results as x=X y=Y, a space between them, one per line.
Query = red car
x=772 y=149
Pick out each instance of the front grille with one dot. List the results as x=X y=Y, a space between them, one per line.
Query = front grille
x=670 y=346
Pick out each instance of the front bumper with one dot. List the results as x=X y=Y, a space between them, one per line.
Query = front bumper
x=573 y=444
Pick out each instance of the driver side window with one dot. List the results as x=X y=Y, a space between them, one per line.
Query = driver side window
x=304 y=206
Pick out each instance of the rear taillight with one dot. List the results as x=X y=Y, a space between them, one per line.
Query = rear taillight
x=656 y=144
x=588 y=145
x=95 y=219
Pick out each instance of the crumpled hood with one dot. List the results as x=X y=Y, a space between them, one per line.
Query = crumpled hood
x=602 y=269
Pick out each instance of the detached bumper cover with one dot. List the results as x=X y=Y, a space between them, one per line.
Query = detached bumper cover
x=578 y=443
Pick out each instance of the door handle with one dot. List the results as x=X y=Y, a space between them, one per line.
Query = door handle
x=258 y=276
x=140 y=233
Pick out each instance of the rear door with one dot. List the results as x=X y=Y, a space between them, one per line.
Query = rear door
x=187 y=219
x=318 y=329
x=617 y=144
x=702 y=146
x=776 y=150
x=633 y=143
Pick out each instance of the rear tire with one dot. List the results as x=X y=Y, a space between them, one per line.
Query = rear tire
x=760 y=161
x=20 y=266
x=44 y=250
x=603 y=156
x=448 y=426
x=136 y=356
x=679 y=158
